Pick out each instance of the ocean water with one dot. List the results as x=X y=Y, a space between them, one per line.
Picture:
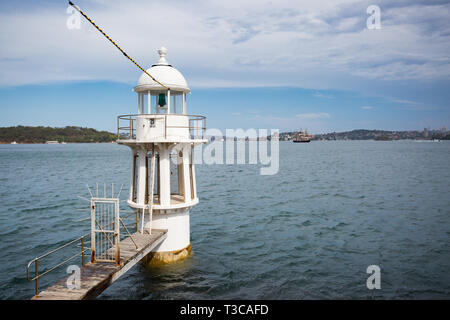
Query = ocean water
x=308 y=232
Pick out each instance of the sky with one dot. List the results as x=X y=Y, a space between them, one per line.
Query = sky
x=250 y=64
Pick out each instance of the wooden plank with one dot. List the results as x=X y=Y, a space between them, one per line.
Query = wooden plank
x=96 y=277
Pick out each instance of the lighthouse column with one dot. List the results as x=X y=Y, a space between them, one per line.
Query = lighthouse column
x=193 y=180
x=164 y=165
x=142 y=175
x=133 y=174
x=186 y=172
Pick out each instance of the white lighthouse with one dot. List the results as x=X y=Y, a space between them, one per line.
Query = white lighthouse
x=162 y=136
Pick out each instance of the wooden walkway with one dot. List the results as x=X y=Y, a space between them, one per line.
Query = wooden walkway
x=96 y=277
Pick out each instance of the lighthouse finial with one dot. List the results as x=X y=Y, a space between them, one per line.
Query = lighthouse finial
x=162 y=56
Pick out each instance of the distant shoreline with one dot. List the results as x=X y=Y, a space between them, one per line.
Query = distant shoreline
x=72 y=134
x=378 y=135
x=57 y=143
x=41 y=135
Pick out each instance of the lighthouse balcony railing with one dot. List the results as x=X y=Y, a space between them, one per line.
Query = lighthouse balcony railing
x=129 y=126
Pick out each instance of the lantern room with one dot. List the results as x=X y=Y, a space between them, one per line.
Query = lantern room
x=153 y=98
x=162 y=111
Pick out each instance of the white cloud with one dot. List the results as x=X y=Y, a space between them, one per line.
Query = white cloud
x=403 y=101
x=320 y=44
x=366 y=107
x=322 y=95
x=319 y=115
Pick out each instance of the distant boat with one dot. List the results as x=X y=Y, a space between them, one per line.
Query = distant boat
x=52 y=142
x=13 y=142
x=302 y=137
x=63 y=142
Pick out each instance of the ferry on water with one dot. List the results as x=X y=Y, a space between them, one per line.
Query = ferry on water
x=302 y=136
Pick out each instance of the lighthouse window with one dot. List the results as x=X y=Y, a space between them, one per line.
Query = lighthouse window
x=191 y=180
x=162 y=100
x=177 y=103
x=173 y=173
x=177 y=175
x=150 y=103
x=156 y=186
x=180 y=174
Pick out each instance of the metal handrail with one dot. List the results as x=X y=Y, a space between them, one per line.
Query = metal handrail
x=36 y=261
x=132 y=118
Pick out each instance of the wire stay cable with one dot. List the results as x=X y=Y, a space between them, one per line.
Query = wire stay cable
x=115 y=44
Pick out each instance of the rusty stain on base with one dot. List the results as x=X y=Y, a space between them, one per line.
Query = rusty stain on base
x=158 y=258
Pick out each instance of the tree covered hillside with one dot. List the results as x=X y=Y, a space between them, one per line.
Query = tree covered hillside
x=24 y=134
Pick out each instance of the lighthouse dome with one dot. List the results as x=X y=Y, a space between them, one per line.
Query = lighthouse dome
x=164 y=73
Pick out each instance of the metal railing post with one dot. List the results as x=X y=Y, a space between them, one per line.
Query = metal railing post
x=117 y=229
x=92 y=232
x=114 y=234
x=82 y=251
x=131 y=128
x=36 y=262
x=37 y=277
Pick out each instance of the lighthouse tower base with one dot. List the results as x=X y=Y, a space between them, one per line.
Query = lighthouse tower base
x=177 y=245
x=159 y=258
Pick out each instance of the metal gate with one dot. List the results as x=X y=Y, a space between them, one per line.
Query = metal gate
x=105 y=227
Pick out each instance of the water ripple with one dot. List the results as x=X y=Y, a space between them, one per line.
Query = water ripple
x=308 y=232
